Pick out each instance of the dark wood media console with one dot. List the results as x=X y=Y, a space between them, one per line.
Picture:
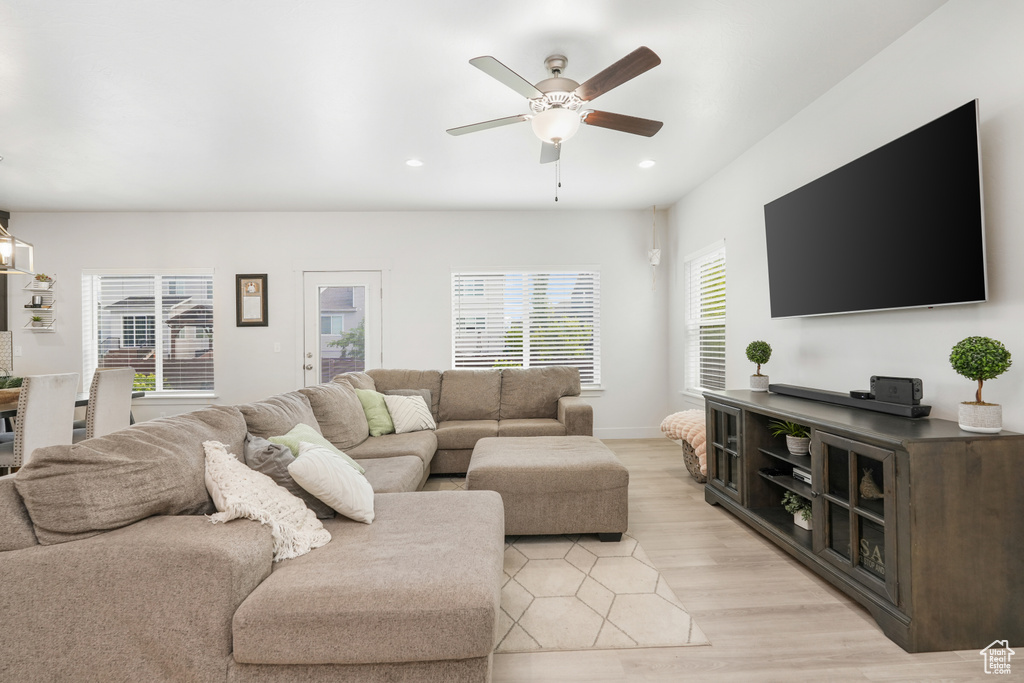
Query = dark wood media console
x=934 y=549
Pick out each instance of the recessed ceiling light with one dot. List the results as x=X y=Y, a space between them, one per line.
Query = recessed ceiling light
x=413 y=162
x=646 y=163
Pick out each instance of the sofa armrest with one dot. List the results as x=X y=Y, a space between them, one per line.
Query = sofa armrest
x=150 y=601
x=577 y=415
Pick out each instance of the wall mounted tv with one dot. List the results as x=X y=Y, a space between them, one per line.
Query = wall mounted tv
x=900 y=227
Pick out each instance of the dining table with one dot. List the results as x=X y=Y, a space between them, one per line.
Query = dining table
x=10 y=409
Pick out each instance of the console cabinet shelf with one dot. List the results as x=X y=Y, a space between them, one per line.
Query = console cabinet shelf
x=918 y=521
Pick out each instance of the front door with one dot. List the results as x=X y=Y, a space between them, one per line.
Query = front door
x=342 y=323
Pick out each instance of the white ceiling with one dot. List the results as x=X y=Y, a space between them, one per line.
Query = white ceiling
x=231 y=105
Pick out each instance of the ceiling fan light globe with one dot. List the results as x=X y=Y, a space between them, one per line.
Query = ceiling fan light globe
x=555 y=124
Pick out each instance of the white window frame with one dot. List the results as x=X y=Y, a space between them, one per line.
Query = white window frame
x=705 y=296
x=90 y=343
x=487 y=304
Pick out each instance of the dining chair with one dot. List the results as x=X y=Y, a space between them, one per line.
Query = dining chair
x=110 y=403
x=46 y=409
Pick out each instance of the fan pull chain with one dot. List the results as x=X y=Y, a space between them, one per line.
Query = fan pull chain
x=558 y=177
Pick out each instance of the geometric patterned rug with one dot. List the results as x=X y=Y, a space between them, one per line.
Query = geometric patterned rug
x=574 y=592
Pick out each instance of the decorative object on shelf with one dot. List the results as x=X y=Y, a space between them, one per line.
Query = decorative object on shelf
x=868 y=488
x=980 y=358
x=759 y=353
x=251 y=300
x=799 y=507
x=798 y=438
x=41 y=281
x=16 y=256
x=37 y=321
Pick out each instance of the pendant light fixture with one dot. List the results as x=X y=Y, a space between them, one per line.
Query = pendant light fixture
x=16 y=256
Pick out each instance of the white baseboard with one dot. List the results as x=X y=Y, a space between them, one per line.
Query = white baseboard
x=629 y=433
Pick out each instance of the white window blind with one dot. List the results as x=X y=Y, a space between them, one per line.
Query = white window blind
x=161 y=324
x=527 y=319
x=705 y=319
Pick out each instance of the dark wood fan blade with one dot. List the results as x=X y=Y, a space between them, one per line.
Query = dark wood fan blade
x=626 y=124
x=632 y=65
x=484 y=125
x=549 y=152
x=495 y=69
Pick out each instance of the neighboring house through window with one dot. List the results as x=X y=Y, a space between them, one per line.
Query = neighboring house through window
x=705 y=319
x=160 y=323
x=528 y=319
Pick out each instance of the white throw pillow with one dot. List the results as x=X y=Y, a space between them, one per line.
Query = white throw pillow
x=239 y=492
x=409 y=413
x=334 y=481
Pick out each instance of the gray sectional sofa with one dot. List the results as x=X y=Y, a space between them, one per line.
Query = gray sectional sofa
x=111 y=572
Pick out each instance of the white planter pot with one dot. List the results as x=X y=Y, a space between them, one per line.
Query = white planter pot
x=798 y=445
x=759 y=382
x=981 y=419
x=799 y=520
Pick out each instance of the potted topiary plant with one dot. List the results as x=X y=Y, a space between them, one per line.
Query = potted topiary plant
x=759 y=352
x=799 y=507
x=798 y=438
x=980 y=358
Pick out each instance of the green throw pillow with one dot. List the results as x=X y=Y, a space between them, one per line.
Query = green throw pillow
x=377 y=415
x=303 y=432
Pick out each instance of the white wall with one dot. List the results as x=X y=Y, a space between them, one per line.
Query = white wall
x=967 y=49
x=417 y=251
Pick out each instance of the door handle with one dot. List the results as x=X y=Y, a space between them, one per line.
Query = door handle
x=308 y=366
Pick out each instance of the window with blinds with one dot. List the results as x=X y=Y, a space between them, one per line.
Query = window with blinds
x=527 y=319
x=161 y=324
x=705 y=319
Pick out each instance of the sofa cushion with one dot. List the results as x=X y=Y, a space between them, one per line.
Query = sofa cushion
x=278 y=414
x=464 y=433
x=534 y=427
x=400 y=474
x=409 y=413
x=377 y=416
x=387 y=379
x=470 y=394
x=359 y=380
x=339 y=414
x=328 y=477
x=534 y=392
x=240 y=493
x=421 y=583
x=304 y=433
x=272 y=459
x=16 y=529
x=420 y=444
x=151 y=468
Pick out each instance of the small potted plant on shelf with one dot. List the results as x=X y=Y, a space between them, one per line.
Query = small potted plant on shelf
x=980 y=358
x=799 y=507
x=798 y=438
x=41 y=281
x=37 y=321
x=758 y=353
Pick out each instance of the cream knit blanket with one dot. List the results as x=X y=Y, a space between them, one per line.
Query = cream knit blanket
x=688 y=426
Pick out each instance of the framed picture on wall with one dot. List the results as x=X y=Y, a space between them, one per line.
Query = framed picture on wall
x=251 y=300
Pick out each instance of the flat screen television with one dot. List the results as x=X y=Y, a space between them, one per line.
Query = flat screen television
x=900 y=227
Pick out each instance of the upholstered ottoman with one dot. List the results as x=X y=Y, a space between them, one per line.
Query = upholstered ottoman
x=554 y=484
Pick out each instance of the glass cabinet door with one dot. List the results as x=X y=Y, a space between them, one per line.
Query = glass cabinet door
x=723 y=450
x=858 y=508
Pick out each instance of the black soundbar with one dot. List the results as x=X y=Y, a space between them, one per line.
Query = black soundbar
x=847 y=400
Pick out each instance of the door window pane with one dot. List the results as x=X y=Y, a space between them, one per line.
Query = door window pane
x=839 y=530
x=872 y=547
x=342 y=330
x=838 y=472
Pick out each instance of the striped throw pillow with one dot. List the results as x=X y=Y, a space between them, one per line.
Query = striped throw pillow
x=409 y=413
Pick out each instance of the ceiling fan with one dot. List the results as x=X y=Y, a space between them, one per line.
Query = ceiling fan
x=557 y=103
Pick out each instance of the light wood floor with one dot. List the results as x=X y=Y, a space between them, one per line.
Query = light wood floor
x=767 y=617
